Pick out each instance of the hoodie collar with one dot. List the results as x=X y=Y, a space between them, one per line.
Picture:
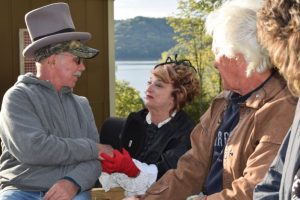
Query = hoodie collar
x=30 y=78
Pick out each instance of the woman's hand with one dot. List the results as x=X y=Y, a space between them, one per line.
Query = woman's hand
x=120 y=162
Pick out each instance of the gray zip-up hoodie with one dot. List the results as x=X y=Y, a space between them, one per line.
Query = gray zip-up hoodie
x=46 y=136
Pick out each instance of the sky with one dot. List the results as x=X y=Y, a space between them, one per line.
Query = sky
x=127 y=9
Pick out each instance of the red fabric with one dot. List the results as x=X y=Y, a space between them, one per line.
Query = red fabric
x=121 y=162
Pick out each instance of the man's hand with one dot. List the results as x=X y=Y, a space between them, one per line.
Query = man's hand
x=62 y=190
x=105 y=148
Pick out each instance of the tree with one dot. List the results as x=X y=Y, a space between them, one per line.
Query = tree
x=195 y=45
x=127 y=99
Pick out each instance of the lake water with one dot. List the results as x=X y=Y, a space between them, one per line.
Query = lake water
x=135 y=72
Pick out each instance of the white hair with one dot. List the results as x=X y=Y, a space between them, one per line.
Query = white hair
x=233 y=28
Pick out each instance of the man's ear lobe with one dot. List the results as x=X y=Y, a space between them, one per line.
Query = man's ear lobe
x=51 y=60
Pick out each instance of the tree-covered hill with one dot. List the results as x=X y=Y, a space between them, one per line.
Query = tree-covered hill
x=142 y=38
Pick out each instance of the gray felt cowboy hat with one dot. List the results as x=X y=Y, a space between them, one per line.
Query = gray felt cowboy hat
x=52 y=24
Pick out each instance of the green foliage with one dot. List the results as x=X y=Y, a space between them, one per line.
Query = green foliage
x=195 y=45
x=142 y=38
x=127 y=99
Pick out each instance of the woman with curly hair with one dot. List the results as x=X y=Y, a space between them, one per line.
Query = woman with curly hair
x=158 y=135
x=278 y=24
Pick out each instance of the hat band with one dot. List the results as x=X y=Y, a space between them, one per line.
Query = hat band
x=54 y=33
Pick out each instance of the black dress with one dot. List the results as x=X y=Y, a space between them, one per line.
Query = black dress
x=160 y=146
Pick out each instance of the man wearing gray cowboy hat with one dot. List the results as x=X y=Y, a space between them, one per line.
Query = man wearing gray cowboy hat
x=50 y=142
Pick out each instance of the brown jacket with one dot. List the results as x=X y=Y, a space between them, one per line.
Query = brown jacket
x=252 y=145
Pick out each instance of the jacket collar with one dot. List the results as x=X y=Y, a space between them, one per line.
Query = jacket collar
x=270 y=89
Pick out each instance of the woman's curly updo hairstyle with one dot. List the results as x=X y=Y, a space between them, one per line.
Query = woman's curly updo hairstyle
x=183 y=77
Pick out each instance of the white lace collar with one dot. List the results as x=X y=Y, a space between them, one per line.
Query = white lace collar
x=160 y=124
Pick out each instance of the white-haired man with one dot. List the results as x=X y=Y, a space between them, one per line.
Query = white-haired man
x=238 y=137
x=49 y=137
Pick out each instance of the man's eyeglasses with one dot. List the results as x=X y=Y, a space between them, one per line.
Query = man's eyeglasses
x=169 y=60
x=78 y=60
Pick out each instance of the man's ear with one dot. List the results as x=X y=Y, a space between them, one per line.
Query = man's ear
x=51 y=59
x=240 y=59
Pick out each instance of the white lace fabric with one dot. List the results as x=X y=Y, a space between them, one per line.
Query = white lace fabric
x=132 y=186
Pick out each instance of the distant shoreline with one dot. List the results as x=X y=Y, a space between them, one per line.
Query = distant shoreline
x=143 y=38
